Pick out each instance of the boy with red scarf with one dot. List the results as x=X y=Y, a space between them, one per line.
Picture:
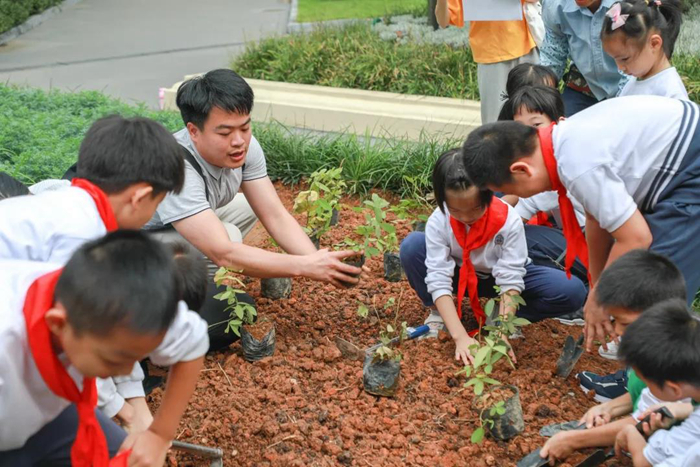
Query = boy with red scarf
x=634 y=165
x=113 y=304
x=126 y=166
x=472 y=242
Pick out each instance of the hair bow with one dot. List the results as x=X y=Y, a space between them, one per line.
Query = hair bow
x=618 y=20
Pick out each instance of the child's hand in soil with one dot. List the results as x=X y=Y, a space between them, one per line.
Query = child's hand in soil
x=148 y=449
x=462 y=350
x=557 y=448
x=598 y=415
x=141 y=418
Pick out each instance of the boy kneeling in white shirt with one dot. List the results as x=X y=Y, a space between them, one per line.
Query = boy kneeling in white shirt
x=112 y=305
x=671 y=370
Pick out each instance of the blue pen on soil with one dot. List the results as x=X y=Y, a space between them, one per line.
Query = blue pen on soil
x=411 y=332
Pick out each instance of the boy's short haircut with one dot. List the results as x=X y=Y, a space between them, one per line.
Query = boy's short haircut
x=124 y=279
x=538 y=99
x=191 y=273
x=664 y=344
x=490 y=150
x=11 y=187
x=118 y=152
x=529 y=74
x=449 y=174
x=222 y=88
x=638 y=280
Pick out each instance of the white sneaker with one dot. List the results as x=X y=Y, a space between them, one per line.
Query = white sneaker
x=611 y=353
x=435 y=323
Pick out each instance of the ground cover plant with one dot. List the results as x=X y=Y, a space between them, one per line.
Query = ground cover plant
x=354 y=56
x=42 y=131
x=324 y=10
x=405 y=55
x=14 y=13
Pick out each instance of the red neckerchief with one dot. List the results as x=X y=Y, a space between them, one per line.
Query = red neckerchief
x=90 y=447
x=541 y=218
x=575 y=240
x=101 y=202
x=480 y=232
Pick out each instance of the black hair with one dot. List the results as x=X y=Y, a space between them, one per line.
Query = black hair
x=118 y=152
x=664 y=344
x=529 y=74
x=644 y=17
x=11 y=187
x=639 y=279
x=490 y=150
x=222 y=88
x=191 y=273
x=124 y=279
x=539 y=99
x=449 y=174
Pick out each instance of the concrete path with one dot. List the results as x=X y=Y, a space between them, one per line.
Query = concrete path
x=130 y=48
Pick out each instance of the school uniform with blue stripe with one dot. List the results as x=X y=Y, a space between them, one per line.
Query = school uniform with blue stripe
x=639 y=152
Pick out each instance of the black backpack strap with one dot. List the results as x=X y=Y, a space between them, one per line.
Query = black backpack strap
x=187 y=155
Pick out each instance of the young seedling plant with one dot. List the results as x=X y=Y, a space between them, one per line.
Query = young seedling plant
x=489 y=349
x=240 y=313
x=378 y=235
x=318 y=202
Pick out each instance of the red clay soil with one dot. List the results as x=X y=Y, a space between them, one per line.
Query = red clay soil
x=305 y=405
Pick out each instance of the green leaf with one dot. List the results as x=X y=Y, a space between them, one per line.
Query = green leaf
x=488 y=369
x=488 y=309
x=362 y=311
x=480 y=356
x=491 y=381
x=478 y=435
x=521 y=322
x=239 y=312
x=502 y=349
x=478 y=387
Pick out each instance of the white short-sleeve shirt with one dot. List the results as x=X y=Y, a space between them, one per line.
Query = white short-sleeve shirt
x=620 y=154
x=667 y=83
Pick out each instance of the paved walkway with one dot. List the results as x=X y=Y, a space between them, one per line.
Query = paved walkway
x=130 y=48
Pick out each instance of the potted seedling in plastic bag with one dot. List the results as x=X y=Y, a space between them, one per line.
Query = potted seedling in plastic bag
x=380 y=237
x=498 y=405
x=382 y=366
x=276 y=288
x=257 y=338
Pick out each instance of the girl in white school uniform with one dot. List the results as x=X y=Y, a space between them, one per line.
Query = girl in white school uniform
x=640 y=35
x=472 y=242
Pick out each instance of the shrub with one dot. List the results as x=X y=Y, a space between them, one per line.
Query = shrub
x=16 y=12
x=404 y=55
x=356 y=57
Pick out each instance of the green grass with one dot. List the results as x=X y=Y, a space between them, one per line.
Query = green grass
x=15 y=12
x=324 y=10
x=40 y=134
x=355 y=57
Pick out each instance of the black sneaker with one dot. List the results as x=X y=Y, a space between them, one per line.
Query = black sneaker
x=572 y=319
x=605 y=387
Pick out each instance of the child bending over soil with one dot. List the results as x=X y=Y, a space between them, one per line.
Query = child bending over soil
x=473 y=242
x=671 y=370
x=114 y=303
x=631 y=285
